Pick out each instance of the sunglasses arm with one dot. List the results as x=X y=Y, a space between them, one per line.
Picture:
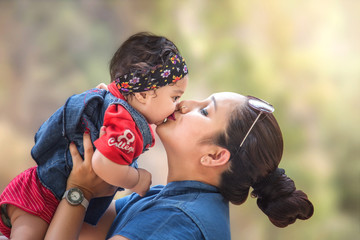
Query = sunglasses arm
x=250 y=129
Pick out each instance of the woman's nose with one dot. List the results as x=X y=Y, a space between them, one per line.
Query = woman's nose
x=183 y=109
x=185 y=106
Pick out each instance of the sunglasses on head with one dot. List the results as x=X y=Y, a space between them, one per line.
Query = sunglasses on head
x=262 y=107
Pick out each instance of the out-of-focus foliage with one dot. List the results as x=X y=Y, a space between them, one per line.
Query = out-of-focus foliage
x=302 y=56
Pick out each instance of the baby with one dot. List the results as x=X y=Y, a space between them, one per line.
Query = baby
x=148 y=76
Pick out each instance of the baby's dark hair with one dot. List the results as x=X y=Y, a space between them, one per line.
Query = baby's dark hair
x=141 y=52
x=255 y=165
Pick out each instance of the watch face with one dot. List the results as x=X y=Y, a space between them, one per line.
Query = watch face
x=75 y=196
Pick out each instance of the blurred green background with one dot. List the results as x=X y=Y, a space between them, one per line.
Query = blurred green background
x=302 y=56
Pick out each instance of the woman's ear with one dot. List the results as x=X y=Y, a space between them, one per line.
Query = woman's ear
x=219 y=158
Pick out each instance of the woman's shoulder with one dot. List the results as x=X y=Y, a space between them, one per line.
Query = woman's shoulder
x=188 y=207
x=209 y=211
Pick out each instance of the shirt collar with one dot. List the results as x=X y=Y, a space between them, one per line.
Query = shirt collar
x=179 y=187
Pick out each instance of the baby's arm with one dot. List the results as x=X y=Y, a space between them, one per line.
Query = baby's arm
x=138 y=180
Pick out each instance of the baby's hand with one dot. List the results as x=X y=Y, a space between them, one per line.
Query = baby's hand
x=144 y=182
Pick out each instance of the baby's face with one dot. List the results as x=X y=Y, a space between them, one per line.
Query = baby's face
x=164 y=101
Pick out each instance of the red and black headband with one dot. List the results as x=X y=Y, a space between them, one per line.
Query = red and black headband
x=161 y=75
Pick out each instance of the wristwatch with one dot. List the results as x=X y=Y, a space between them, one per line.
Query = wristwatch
x=75 y=196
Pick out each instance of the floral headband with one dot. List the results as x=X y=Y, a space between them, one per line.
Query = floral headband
x=161 y=75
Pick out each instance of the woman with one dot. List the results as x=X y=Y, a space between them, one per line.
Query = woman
x=217 y=149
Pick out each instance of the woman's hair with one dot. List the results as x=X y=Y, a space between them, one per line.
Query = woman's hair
x=141 y=52
x=255 y=165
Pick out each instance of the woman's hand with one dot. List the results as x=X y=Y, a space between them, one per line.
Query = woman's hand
x=68 y=219
x=82 y=174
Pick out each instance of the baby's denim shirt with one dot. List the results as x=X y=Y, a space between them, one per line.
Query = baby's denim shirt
x=81 y=112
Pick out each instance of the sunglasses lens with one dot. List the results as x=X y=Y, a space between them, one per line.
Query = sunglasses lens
x=261 y=105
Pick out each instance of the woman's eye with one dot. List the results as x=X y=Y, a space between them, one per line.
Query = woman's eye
x=204 y=112
x=176 y=98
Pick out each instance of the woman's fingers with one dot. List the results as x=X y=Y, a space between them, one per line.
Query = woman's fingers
x=102 y=131
x=77 y=159
x=102 y=86
x=82 y=174
x=88 y=148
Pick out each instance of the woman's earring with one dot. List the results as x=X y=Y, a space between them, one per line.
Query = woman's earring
x=202 y=160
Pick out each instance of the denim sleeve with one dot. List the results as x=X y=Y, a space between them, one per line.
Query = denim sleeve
x=164 y=223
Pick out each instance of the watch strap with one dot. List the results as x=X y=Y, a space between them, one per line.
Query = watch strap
x=85 y=203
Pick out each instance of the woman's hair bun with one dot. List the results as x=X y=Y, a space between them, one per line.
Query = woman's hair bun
x=278 y=198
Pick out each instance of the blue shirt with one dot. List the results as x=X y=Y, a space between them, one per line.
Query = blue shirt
x=179 y=210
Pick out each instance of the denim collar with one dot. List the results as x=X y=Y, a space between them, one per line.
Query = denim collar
x=181 y=187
